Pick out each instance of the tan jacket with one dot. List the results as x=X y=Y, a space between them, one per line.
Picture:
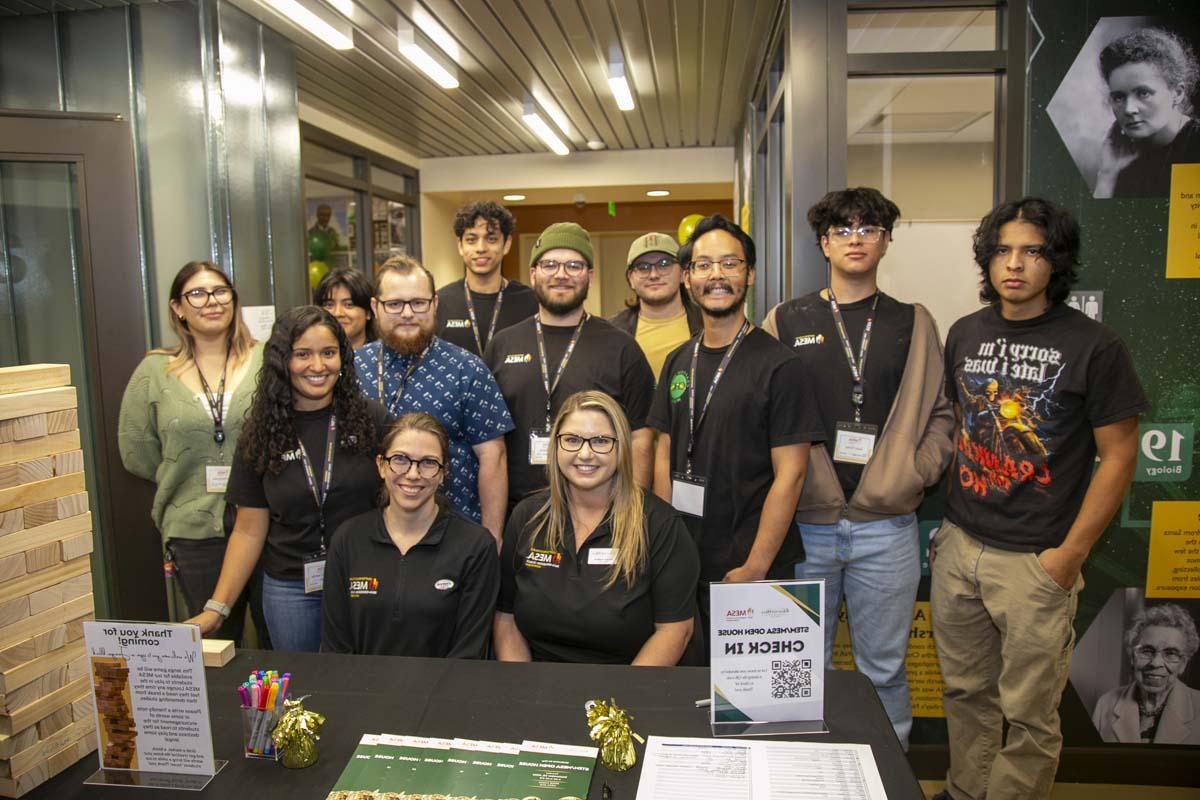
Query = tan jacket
x=913 y=449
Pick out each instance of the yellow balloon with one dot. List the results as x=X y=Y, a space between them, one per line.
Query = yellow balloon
x=316 y=271
x=687 y=225
x=745 y=217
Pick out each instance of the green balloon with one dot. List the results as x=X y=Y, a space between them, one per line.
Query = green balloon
x=316 y=271
x=318 y=246
x=687 y=225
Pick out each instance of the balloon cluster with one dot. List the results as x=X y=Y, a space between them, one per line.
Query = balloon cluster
x=318 y=251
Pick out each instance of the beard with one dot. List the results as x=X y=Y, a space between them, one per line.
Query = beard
x=410 y=344
x=720 y=313
x=560 y=307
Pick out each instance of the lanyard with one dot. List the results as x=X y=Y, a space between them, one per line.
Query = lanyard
x=495 y=313
x=695 y=422
x=319 y=495
x=562 y=365
x=857 y=368
x=216 y=403
x=416 y=363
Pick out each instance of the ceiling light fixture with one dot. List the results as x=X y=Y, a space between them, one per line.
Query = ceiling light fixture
x=538 y=125
x=344 y=7
x=411 y=47
x=658 y=193
x=313 y=23
x=555 y=113
x=620 y=86
x=435 y=32
x=514 y=198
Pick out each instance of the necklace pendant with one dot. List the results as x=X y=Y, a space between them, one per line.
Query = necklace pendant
x=219 y=436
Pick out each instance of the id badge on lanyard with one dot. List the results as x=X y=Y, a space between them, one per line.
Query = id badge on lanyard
x=855 y=442
x=314 y=573
x=539 y=446
x=687 y=494
x=216 y=479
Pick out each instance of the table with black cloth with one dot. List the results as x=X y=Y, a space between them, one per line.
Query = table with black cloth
x=478 y=700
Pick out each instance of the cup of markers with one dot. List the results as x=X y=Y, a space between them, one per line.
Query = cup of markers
x=262 y=699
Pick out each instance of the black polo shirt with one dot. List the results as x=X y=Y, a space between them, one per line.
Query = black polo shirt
x=294 y=531
x=764 y=400
x=605 y=359
x=436 y=601
x=454 y=323
x=559 y=600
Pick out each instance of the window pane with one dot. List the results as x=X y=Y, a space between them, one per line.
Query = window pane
x=313 y=155
x=390 y=222
x=921 y=31
x=330 y=224
x=393 y=181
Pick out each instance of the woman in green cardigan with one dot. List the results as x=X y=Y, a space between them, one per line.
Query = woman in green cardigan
x=180 y=420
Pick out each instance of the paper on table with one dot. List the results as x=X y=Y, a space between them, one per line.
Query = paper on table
x=735 y=769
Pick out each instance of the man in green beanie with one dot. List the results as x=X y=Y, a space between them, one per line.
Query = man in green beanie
x=559 y=351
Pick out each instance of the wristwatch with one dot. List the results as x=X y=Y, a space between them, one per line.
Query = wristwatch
x=217 y=606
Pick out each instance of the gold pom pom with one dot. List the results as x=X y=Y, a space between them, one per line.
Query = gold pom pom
x=296 y=734
x=608 y=726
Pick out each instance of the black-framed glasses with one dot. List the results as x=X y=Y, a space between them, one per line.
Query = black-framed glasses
x=1170 y=656
x=549 y=267
x=871 y=234
x=727 y=264
x=419 y=305
x=401 y=463
x=198 y=298
x=661 y=266
x=573 y=443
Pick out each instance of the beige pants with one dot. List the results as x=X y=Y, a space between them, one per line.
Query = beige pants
x=1004 y=633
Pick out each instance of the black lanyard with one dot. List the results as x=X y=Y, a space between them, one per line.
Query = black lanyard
x=857 y=368
x=416 y=363
x=319 y=495
x=695 y=422
x=562 y=365
x=216 y=403
x=495 y=313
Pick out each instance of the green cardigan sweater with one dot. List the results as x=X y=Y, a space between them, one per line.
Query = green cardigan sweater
x=166 y=436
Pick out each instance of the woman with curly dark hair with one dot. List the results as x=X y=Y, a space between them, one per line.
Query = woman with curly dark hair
x=304 y=465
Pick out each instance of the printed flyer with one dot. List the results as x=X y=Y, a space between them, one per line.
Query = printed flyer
x=547 y=771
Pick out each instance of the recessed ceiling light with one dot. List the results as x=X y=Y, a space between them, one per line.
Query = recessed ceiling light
x=596 y=144
x=514 y=198
x=658 y=193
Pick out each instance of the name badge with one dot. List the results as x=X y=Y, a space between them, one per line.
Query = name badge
x=314 y=573
x=687 y=494
x=855 y=442
x=602 y=555
x=216 y=478
x=539 y=447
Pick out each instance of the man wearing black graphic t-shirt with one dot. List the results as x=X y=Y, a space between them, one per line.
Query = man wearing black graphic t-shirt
x=471 y=311
x=566 y=349
x=738 y=485
x=1040 y=391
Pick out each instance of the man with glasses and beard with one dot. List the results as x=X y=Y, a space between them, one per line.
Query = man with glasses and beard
x=411 y=369
x=737 y=414
x=559 y=351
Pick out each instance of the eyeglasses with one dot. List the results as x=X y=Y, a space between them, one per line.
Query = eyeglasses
x=419 y=305
x=550 y=267
x=198 y=298
x=1170 y=656
x=868 y=233
x=661 y=266
x=728 y=264
x=599 y=444
x=401 y=463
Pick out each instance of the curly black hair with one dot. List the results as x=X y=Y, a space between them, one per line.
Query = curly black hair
x=1167 y=51
x=717 y=222
x=270 y=431
x=1061 y=248
x=845 y=207
x=495 y=215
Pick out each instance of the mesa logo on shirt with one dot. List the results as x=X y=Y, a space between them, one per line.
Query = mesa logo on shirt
x=518 y=358
x=539 y=559
x=458 y=323
x=678 y=386
x=807 y=339
x=364 y=586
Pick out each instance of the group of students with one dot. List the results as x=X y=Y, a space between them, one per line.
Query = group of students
x=377 y=451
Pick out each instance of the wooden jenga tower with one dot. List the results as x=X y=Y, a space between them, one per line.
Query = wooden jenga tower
x=46 y=715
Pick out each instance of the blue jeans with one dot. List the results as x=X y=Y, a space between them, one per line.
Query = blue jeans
x=876 y=567
x=293 y=617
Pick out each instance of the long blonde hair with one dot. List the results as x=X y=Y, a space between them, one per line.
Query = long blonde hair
x=240 y=340
x=626 y=514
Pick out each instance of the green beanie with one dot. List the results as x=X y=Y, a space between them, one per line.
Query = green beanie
x=563 y=234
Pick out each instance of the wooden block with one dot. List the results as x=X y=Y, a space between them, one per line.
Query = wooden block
x=43 y=770
x=36 y=492
x=75 y=546
x=37 y=469
x=45 y=579
x=77 y=669
x=20 y=697
x=54 y=723
x=41 y=513
x=50 y=640
x=18 y=742
x=40 y=751
x=47 y=621
x=11 y=452
x=28 y=377
x=218 y=652
x=33 y=669
x=12 y=521
x=59 y=593
x=39 y=401
x=19 y=429
x=62 y=421
x=8 y=476
x=6 y=435
x=44 y=534
x=75 y=627
x=72 y=505
x=68 y=462
x=84 y=708
x=44 y=706
x=14 y=610
x=12 y=567
x=44 y=557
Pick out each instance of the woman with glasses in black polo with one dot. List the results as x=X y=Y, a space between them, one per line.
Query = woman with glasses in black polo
x=413 y=578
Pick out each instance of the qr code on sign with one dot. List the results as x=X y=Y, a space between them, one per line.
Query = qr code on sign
x=791 y=678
